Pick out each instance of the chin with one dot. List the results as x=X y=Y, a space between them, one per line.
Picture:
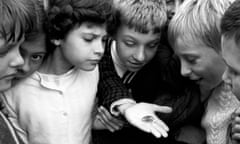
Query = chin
x=6 y=86
x=133 y=69
x=89 y=68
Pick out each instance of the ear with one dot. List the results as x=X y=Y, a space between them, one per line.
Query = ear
x=56 y=42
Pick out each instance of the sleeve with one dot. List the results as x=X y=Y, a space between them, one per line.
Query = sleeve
x=10 y=109
x=110 y=87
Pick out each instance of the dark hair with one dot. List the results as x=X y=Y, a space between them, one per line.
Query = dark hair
x=18 y=17
x=64 y=15
x=230 y=23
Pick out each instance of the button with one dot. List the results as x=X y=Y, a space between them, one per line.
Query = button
x=65 y=114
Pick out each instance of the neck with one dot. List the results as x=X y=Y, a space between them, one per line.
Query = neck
x=56 y=64
x=206 y=92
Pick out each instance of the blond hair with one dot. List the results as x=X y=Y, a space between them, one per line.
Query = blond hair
x=198 y=20
x=143 y=15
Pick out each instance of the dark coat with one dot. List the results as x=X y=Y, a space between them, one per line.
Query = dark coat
x=158 y=82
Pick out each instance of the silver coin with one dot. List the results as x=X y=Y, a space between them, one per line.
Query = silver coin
x=148 y=119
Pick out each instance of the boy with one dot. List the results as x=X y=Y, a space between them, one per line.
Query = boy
x=18 y=18
x=76 y=34
x=137 y=57
x=230 y=27
x=195 y=37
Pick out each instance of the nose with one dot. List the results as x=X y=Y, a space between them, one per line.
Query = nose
x=185 y=70
x=99 y=47
x=25 y=67
x=17 y=59
x=226 y=77
x=140 y=54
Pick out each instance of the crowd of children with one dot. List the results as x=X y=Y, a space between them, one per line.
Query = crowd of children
x=119 y=71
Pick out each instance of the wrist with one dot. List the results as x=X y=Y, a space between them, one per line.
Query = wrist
x=122 y=108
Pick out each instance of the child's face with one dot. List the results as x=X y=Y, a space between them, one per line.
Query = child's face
x=231 y=55
x=83 y=47
x=33 y=52
x=10 y=61
x=200 y=63
x=135 y=49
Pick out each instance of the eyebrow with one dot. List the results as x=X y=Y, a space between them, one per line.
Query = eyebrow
x=190 y=54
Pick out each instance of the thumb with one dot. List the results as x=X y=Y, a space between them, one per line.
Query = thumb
x=162 y=109
x=237 y=111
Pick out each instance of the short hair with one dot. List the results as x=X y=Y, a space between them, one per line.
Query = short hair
x=18 y=17
x=230 y=23
x=64 y=15
x=40 y=18
x=198 y=20
x=142 y=15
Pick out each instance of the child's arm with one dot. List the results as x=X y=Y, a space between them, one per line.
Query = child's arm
x=9 y=109
x=104 y=120
x=111 y=87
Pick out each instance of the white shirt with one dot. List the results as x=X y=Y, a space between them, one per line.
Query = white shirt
x=50 y=109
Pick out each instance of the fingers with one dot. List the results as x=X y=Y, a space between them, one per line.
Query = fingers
x=108 y=117
x=107 y=126
x=155 y=128
x=162 y=109
x=161 y=124
x=155 y=131
x=237 y=111
x=236 y=128
x=108 y=120
x=236 y=125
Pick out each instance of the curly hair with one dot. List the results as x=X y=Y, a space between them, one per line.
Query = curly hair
x=64 y=15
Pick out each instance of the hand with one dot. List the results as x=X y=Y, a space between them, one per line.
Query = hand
x=104 y=120
x=236 y=125
x=134 y=114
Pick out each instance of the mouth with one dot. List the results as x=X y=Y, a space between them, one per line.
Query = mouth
x=198 y=81
x=136 y=65
x=96 y=61
x=9 y=77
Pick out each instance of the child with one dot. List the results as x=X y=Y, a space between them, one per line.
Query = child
x=51 y=109
x=66 y=83
x=18 y=18
x=195 y=37
x=136 y=43
x=230 y=27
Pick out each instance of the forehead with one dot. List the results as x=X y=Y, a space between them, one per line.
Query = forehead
x=189 y=46
x=89 y=27
x=35 y=44
x=126 y=32
x=5 y=44
x=231 y=52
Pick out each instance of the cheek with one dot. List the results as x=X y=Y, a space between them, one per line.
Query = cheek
x=124 y=52
x=150 y=54
x=34 y=67
x=3 y=67
x=236 y=86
